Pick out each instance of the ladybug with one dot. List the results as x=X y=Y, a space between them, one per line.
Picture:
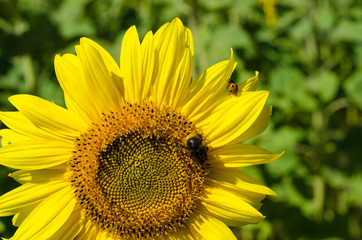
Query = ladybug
x=198 y=151
x=232 y=87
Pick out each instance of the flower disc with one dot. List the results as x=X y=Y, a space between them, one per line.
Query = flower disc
x=132 y=173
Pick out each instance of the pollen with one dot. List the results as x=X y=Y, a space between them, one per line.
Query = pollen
x=132 y=174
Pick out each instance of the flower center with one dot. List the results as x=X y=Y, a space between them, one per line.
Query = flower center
x=133 y=174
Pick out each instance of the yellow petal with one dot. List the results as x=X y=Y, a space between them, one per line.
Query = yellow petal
x=77 y=96
x=232 y=117
x=207 y=227
x=101 y=81
x=252 y=198
x=26 y=196
x=238 y=180
x=259 y=125
x=34 y=154
x=178 y=86
x=170 y=46
x=149 y=67
x=47 y=217
x=104 y=236
x=20 y=217
x=150 y=64
x=48 y=116
x=159 y=33
x=131 y=65
x=88 y=231
x=70 y=228
x=183 y=234
x=206 y=90
x=229 y=207
x=251 y=84
x=240 y=155
x=107 y=58
x=23 y=126
x=189 y=40
x=9 y=136
x=36 y=176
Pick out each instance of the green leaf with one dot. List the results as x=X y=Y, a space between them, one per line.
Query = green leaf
x=231 y=36
x=51 y=91
x=325 y=18
x=288 y=192
x=215 y=4
x=358 y=56
x=301 y=30
x=335 y=178
x=325 y=85
x=347 y=31
x=286 y=80
x=305 y=100
x=283 y=139
x=290 y=83
x=353 y=88
x=288 y=163
x=71 y=20
x=220 y=39
x=355 y=189
x=2 y=227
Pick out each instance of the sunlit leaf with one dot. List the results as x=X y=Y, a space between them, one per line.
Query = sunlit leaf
x=353 y=87
x=326 y=85
x=347 y=31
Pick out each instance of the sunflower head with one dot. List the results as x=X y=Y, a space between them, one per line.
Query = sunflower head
x=134 y=161
x=141 y=150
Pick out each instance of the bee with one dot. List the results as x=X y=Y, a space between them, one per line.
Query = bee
x=232 y=87
x=198 y=151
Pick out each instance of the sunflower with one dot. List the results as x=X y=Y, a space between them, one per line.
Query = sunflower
x=140 y=151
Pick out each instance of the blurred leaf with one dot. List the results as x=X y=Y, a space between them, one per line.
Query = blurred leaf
x=353 y=88
x=325 y=17
x=286 y=19
x=287 y=80
x=355 y=189
x=215 y=4
x=290 y=83
x=265 y=227
x=305 y=100
x=243 y=8
x=301 y=30
x=335 y=177
x=255 y=172
x=14 y=79
x=2 y=227
x=71 y=20
x=358 y=56
x=347 y=31
x=356 y=12
x=221 y=38
x=175 y=8
x=288 y=191
x=288 y=163
x=326 y=85
x=50 y=90
x=284 y=139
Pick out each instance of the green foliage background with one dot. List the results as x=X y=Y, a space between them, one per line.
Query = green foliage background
x=311 y=62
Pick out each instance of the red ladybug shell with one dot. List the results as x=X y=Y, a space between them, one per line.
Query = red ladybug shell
x=233 y=87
